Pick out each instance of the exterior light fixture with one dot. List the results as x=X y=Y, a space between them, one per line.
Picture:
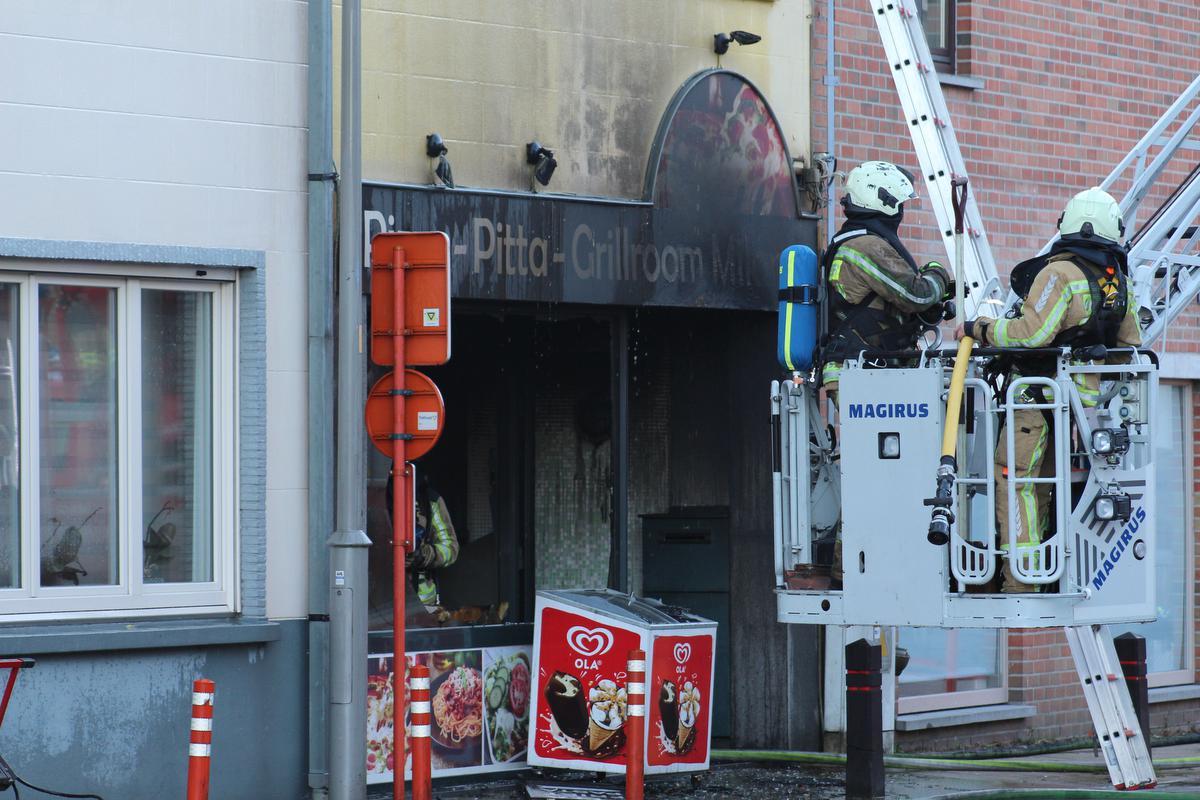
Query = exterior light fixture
x=721 y=41
x=543 y=162
x=436 y=149
x=1112 y=506
x=1110 y=441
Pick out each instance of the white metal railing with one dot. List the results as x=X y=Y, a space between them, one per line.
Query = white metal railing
x=973 y=562
x=1037 y=561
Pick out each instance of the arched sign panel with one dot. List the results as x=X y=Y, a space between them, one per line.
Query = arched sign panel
x=720 y=204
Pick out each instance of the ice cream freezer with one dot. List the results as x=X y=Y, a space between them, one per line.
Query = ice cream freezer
x=582 y=640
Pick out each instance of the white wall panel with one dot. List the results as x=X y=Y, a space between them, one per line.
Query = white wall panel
x=176 y=122
x=256 y=29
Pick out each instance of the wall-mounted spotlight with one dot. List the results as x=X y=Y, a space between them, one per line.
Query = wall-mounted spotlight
x=543 y=162
x=721 y=41
x=436 y=149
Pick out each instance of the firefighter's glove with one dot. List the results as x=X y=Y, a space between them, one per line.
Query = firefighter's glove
x=933 y=316
x=942 y=274
x=423 y=556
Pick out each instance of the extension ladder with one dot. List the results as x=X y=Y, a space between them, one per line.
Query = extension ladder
x=1108 y=701
x=928 y=122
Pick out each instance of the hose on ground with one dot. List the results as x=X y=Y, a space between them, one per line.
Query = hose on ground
x=960 y=765
x=1044 y=748
x=1066 y=794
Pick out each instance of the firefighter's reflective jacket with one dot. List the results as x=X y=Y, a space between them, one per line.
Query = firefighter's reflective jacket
x=436 y=543
x=1071 y=301
x=874 y=293
x=437 y=546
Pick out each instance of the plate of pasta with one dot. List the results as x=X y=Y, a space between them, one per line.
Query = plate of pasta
x=456 y=699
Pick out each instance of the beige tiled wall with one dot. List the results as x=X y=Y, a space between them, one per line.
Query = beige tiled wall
x=589 y=79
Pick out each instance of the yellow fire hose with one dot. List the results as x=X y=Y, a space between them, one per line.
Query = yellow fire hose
x=943 y=499
x=954 y=399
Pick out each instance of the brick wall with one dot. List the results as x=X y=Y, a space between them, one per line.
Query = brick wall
x=1068 y=86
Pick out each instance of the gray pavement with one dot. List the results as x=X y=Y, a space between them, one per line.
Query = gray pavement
x=804 y=782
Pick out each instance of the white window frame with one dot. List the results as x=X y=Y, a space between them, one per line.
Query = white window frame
x=130 y=596
x=1186 y=675
x=942 y=701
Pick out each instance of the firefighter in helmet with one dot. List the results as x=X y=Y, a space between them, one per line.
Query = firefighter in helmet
x=878 y=298
x=436 y=544
x=1077 y=295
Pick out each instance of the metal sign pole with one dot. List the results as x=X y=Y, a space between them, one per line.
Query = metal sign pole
x=401 y=522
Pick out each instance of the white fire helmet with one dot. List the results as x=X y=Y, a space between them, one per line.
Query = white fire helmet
x=1093 y=213
x=880 y=186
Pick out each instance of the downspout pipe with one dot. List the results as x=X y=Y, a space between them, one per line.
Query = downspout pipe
x=348 y=544
x=321 y=184
x=831 y=83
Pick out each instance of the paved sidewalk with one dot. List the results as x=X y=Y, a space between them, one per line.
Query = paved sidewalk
x=804 y=782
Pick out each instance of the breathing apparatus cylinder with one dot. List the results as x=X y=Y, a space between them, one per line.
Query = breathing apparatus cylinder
x=799 y=307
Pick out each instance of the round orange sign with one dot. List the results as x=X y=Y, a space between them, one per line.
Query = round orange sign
x=424 y=414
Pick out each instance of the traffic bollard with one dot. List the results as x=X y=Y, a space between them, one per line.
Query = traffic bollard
x=864 y=720
x=422 y=768
x=635 y=726
x=1131 y=652
x=200 y=744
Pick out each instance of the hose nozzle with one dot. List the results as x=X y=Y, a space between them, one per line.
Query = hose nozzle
x=942 y=501
x=939 y=527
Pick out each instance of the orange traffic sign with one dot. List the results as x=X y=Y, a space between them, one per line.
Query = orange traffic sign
x=423 y=259
x=424 y=415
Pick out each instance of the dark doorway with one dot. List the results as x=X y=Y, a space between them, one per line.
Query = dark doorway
x=524 y=463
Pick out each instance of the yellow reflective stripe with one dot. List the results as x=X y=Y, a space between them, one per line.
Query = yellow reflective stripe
x=441 y=534
x=787 y=314
x=835 y=271
x=1088 y=395
x=1028 y=491
x=867 y=265
x=1049 y=326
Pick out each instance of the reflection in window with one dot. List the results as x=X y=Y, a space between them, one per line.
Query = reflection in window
x=1166 y=637
x=10 y=440
x=957 y=664
x=77 y=403
x=177 y=436
x=937 y=19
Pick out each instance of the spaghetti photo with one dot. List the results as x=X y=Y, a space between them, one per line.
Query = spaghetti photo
x=458 y=706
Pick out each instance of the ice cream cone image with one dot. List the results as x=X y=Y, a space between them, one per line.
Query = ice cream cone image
x=606 y=717
x=668 y=709
x=564 y=696
x=689 y=712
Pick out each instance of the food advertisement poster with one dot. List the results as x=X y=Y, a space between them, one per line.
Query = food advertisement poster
x=679 y=700
x=480 y=711
x=580 y=702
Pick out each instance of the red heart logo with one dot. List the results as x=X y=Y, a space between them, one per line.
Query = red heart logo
x=590 y=642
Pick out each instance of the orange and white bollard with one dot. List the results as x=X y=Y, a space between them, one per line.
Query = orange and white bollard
x=422 y=767
x=201 y=741
x=635 y=726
